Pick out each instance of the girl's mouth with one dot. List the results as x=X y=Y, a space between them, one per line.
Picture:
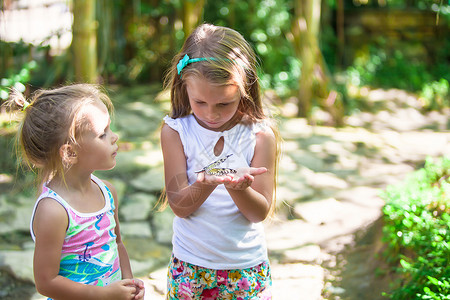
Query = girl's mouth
x=211 y=123
x=115 y=152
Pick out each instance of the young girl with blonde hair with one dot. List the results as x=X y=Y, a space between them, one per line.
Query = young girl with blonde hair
x=65 y=134
x=220 y=158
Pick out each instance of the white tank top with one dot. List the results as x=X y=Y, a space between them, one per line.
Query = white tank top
x=217 y=235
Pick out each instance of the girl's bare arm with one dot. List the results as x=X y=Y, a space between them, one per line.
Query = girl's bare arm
x=49 y=225
x=123 y=254
x=184 y=199
x=253 y=191
x=125 y=265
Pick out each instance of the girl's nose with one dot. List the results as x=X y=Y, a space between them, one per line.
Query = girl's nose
x=115 y=137
x=212 y=113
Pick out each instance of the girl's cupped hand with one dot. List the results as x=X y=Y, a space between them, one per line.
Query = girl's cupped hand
x=241 y=180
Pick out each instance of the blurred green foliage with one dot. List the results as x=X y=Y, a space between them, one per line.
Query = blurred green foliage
x=429 y=78
x=417 y=234
x=266 y=25
x=138 y=39
x=16 y=67
x=16 y=80
x=436 y=94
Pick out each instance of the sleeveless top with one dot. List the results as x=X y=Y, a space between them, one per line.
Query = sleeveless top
x=89 y=253
x=217 y=235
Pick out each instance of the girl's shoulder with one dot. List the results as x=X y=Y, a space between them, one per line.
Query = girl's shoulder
x=263 y=126
x=265 y=137
x=265 y=132
x=171 y=122
x=111 y=192
x=109 y=185
x=102 y=183
x=51 y=208
x=51 y=198
x=181 y=127
x=170 y=130
x=175 y=123
x=48 y=217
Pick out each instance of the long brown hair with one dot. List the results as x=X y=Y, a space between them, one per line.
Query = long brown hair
x=229 y=60
x=225 y=58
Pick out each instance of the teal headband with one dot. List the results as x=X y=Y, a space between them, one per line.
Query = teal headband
x=186 y=60
x=25 y=105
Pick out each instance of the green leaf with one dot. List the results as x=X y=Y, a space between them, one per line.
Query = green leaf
x=434 y=280
x=405 y=264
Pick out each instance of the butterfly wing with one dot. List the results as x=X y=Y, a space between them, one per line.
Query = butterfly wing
x=213 y=165
x=220 y=171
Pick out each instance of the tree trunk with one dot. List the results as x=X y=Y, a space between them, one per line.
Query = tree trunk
x=340 y=30
x=106 y=15
x=84 y=41
x=304 y=30
x=191 y=15
x=314 y=79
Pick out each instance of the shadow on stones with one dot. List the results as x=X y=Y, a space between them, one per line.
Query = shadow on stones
x=360 y=271
x=12 y=289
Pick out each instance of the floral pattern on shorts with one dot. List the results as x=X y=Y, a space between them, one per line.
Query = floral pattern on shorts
x=187 y=281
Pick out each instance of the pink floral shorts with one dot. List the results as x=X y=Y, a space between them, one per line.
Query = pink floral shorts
x=186 y=281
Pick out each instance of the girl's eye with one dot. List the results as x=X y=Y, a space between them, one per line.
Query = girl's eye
x=105 y=133
x=223 y=104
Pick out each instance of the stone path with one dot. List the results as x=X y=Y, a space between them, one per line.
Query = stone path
x=328 y=190
x=298 y=247
x=333 y=178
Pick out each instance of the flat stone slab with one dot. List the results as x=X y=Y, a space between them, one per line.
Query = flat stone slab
x=297 y=281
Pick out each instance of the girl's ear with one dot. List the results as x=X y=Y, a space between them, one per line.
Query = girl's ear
x=68 y=155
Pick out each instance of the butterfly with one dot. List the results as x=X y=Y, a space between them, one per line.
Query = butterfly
x=212 y=169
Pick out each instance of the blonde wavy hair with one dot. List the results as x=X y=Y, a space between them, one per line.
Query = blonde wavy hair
x=51 y=118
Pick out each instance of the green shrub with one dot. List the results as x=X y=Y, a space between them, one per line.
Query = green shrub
x=16 y=81
x=379 y=67
x=416 y=232
x=436 y=94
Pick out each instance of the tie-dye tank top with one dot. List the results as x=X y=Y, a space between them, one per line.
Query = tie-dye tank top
x=89 y=253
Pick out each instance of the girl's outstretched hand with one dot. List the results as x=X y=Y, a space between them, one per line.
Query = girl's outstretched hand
x=244 y=178
x=206 y=178
x=238 y=181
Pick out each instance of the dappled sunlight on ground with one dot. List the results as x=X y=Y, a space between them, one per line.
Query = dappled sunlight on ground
x=328 y=188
